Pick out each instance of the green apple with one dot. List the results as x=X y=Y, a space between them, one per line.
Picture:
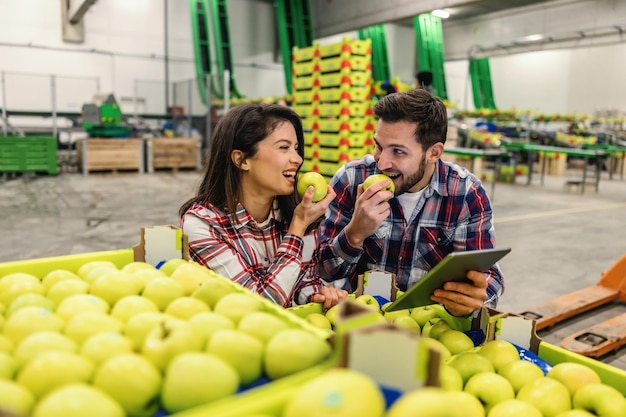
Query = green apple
x=573 y=413
x=57 y=275
x=99 y=271
x=8 y=366
x=549 y=396
x=315 y=180
x=40 y=342
x=600 y=399
x=147 y=275
x=489 y=388
x=436 y=402
x=82 y=326
x=169 y=339
x=435 y=327
x=15 y=399
x=81 y=303
x=449 y=378
x=212 y=290
x=78 y=400
x=115 y=285
x=465 y=404
x=332 y=314
x=208 y=323
x=87 y=267
x=170 y=266
x=519 y=373
x=436 y=345
x=6 y=345
x=368 y=301
x=456 y=341
x=16 y=278
x=29 y=300
x=319 y=320
x=14 y=290
x=406 y=322
x=515 y=408
x=293 y=350
x=133 y=381
x=470 y=363
x=138 y=327
x=191 y=276
x=573 y=375
x=423 y=314
x=28 y=320
x=162 y=291
x=237 y=305
x=240 y=350
x=375 y=178
x=261 y=325
x=102 y=346
x=337 y=392
x=63 y=289
x=499 y=352
x=137 y=266
x=50 y=370
x=131 y=305
x=186 y=307
x=193 y=379
x=392 y=315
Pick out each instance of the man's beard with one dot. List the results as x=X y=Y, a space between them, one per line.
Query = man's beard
x=413 y=179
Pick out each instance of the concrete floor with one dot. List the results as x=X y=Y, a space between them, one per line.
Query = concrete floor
x=562 y=240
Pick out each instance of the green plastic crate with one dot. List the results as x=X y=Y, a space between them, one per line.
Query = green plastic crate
x=28 y=154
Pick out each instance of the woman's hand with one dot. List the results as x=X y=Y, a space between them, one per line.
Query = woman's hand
x=307 y=211
x=329 y=296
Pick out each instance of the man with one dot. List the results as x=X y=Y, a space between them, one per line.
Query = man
x=437 y=208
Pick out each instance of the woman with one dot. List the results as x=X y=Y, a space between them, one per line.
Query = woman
x=247 y=222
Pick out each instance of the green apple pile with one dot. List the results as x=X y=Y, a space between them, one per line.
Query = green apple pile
x=105 y=341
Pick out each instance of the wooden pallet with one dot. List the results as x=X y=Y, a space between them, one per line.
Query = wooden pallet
x=173 y=154
x=110 y=155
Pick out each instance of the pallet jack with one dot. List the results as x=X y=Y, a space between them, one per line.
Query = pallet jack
x=599 y=339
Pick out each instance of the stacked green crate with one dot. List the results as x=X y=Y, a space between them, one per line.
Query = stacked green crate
x=343 y=125
x=28 y=154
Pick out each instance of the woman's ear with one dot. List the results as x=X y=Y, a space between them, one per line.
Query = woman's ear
x=435 y=152
x=239 y=159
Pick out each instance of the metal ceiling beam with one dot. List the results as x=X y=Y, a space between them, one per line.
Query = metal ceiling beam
x=78 y=10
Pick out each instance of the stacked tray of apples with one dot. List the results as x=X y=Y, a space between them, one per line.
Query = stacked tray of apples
x=136 y=341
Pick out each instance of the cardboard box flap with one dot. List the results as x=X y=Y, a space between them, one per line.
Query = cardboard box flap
x=159 y=244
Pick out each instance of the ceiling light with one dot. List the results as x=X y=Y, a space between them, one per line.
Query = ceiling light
x=440 y=13
x=533 y=38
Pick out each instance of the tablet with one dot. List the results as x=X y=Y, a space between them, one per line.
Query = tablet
x=452 y=268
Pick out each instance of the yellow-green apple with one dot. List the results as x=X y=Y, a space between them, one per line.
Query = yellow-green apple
x=97 y=272
x=261 y=325
x=169 y=339
x=435 y=327
x=337 y=392
x=315 y=180
x=208 y=323
x=456 y=341
x=14 y=290
x=392 y=315
x=514 y=408
x=449 y=378
x=16 y=278
x=575 y=413
x=82 y=326
x=319 y=320
x=113 y=286
x=293 y=350
x=212 y=290
x=600 y=399
x=436 y=402
x=147 y=275
x=519 y=373
x=138 y=327
x=191 y=276
x=102 y=346
x=57 y=275
x=499 y=352
x=137 y=266
x=131 y=305
x=29 y=300
x=170 y=266
x=368 y=301
x=375 y=178
x=186 y=307
x=236 y=305
x=196 y=378
x=40 y=342
x=6 y=345
x=87 y=267
x=8 y=366
x=50 y=370
x=550 y=396
x=465 y=404
x=332 y=314
x=489 y=388
x=423 y=314
x=573 y=375
x=131 y=380
x=470 y=363
x=28 y=320
x=63 y=289
x=79 y=304
x=162 y=291
x=406 y=322
x=240 y=350
x=437 y=346
x=78 y=400
x=15 y=399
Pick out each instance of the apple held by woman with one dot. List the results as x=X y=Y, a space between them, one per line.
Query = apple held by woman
x=315 y=180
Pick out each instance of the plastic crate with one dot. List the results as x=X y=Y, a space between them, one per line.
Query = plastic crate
x=28 y=154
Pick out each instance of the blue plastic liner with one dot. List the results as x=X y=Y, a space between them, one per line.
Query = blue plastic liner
x=527 y=355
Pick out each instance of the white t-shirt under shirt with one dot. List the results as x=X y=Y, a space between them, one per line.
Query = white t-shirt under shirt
x=408 y=201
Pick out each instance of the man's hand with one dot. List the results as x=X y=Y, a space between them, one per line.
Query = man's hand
x=461 y=299
x=370 y=209
x=329 y=296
